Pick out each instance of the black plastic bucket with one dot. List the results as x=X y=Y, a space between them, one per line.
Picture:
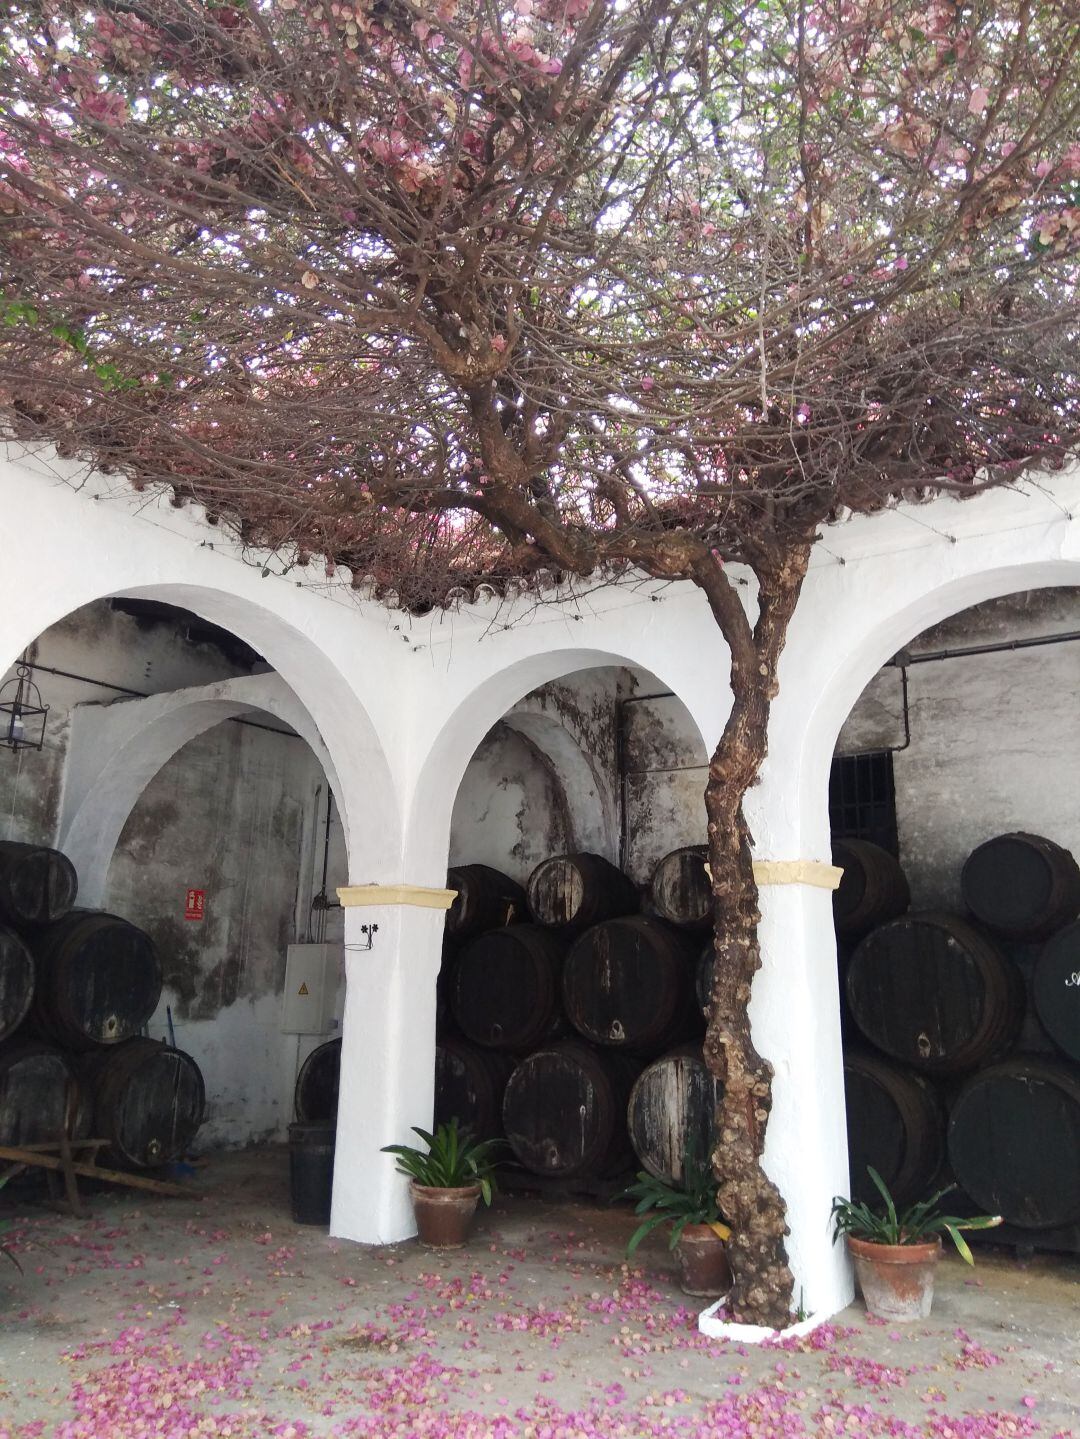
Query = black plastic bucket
x=311 y=1172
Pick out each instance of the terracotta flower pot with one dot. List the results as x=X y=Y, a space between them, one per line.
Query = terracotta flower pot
x=703 y=1262
x=444 y=1216
x=897 y=1280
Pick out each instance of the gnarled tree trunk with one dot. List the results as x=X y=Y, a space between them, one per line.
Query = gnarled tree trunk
x=751 y=1203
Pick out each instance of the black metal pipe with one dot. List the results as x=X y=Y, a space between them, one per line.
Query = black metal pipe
x=326 y=838
x=906 y=658
x=906 y=711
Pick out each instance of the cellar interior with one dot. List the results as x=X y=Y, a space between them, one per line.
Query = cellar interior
x=957 y=935
x=574 y=1031
x=166 y=857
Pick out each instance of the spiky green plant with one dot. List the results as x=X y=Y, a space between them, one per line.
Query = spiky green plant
x=918 y=1224
x=452 y=1159
x=692 y=1202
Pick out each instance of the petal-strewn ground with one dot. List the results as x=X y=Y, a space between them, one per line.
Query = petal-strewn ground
x=195 y=1321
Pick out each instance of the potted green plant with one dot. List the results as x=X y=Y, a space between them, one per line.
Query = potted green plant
x=698 y=1233
x=449 y=1177
x=896 y=1254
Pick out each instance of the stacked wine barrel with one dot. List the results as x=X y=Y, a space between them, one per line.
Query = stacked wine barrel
x=567 y=1017
x=77 y=988
x=967 y=1061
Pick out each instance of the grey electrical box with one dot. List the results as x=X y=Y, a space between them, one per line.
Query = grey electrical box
x=314 y=984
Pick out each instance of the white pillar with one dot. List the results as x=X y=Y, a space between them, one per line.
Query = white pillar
x=795 y=1019
x=387 y=1064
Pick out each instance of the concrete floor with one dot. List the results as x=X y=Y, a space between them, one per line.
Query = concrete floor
x=193 y=1320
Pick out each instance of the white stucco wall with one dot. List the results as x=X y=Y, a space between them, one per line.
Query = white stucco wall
x=604 y=760
x=511 y=811
x=112 y=648
x=403 y=704
x=237 y=812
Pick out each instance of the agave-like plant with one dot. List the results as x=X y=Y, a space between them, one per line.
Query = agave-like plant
x=452 y=1159
x=915 y=1225
x=692 y=1202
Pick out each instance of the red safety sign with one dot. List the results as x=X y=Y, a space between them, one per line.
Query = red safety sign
x=195 y=904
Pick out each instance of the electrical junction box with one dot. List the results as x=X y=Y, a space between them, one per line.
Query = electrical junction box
x=314 y=975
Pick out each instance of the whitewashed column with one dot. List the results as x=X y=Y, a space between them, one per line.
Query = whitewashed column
x=387 y=1053
x=795 y=1021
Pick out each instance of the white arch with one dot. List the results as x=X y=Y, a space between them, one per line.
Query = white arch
x=489 y=701
x=114 y=751
x=889 y=633
x=82 y=538
x=590 y=802
x=878 y=585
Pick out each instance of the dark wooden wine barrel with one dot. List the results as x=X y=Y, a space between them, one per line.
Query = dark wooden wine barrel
x=16 y=981
x=573 y=891
x=681 y=891
x=873 y=888
x=148 y=1100
x=469 y=1085
x=486 y=899
x=41 y=1095
x=316 y=1096
x=1021 y=885
x=895 y=1122
x=629 y=983
x=1055 y=989
x=564 y=1111
x=98 y=980
x=934 y=993
x=444 y=988
x=1014 y=1141
x=672 y=1109
x=505 y=990
x=37 y=885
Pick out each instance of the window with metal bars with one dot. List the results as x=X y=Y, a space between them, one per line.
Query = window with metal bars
x=862 y=799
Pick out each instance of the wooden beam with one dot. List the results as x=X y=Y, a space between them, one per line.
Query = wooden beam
x=34 y=1160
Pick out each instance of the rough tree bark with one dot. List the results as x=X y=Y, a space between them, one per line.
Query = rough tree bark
x=751 y=1203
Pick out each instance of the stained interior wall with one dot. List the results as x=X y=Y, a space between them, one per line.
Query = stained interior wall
x=103 y=652
x=239 y=812
x=511 y=810
x=994 y=738
x=630 y=789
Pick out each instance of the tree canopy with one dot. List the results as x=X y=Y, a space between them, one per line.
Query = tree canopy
x=447 y=291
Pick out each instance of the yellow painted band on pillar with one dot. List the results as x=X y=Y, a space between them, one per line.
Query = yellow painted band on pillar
x=795 y=871
x=418 y=895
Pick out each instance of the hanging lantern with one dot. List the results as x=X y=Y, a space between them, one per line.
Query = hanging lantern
x=22 y=715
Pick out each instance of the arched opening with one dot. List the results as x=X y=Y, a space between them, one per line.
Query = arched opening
x=955 y=943
x=328 y=703
x=599 y=762
x=199 y=804
x=605 y=759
